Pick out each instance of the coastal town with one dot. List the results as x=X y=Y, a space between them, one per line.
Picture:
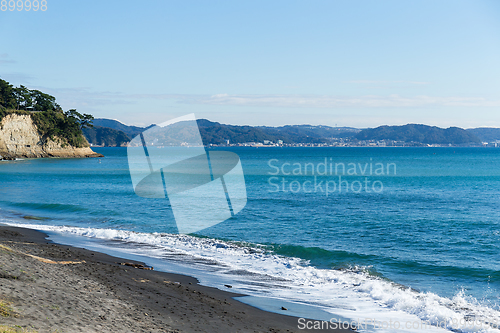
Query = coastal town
x=348 y=142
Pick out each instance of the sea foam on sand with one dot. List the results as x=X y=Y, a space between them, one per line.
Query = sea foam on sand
x=352 y=294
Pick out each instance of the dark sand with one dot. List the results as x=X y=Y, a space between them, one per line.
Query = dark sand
x=100 y=295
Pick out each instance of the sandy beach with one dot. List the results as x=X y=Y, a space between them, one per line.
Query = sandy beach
x=46 y=287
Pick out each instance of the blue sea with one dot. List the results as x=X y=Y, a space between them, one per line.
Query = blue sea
x=370 y=235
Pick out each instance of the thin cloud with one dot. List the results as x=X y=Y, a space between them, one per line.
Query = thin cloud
x=16 y=78
x=388 y=82
x=312 y=101
x=5 y=59
x=87 y=97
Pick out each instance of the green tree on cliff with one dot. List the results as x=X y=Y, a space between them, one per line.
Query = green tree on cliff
x=23 y=98
x=7 y=98
x=84 y=120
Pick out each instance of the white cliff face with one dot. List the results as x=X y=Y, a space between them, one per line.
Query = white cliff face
x=19 y=137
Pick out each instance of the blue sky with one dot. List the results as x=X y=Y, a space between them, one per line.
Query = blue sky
x=345 y=63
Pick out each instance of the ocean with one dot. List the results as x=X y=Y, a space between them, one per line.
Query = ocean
x=392 y=239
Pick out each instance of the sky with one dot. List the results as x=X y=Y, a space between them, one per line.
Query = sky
x=336 y=63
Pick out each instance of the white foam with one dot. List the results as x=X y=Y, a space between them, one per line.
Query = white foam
x=350 y=294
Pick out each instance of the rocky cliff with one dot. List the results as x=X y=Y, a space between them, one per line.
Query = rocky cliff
x=20 y=138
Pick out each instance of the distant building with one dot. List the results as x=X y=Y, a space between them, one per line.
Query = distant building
x=491 y=144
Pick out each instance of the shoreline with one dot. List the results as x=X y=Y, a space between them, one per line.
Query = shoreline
x=58 y=287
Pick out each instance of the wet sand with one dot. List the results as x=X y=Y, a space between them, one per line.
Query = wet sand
x=57 y=288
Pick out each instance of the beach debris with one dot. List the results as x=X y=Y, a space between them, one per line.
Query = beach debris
x=140 y=266
x=47 y=261
x=140 y=280
x=228 y=286
x=170 y=282
x=283 y=308
x=6 y=248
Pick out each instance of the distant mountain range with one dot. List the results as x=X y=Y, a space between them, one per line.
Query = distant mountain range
x=108 y=132
x=420 y=133
x=105 y=136
x=486 y=134
x=216 y=133
x=111 y=133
